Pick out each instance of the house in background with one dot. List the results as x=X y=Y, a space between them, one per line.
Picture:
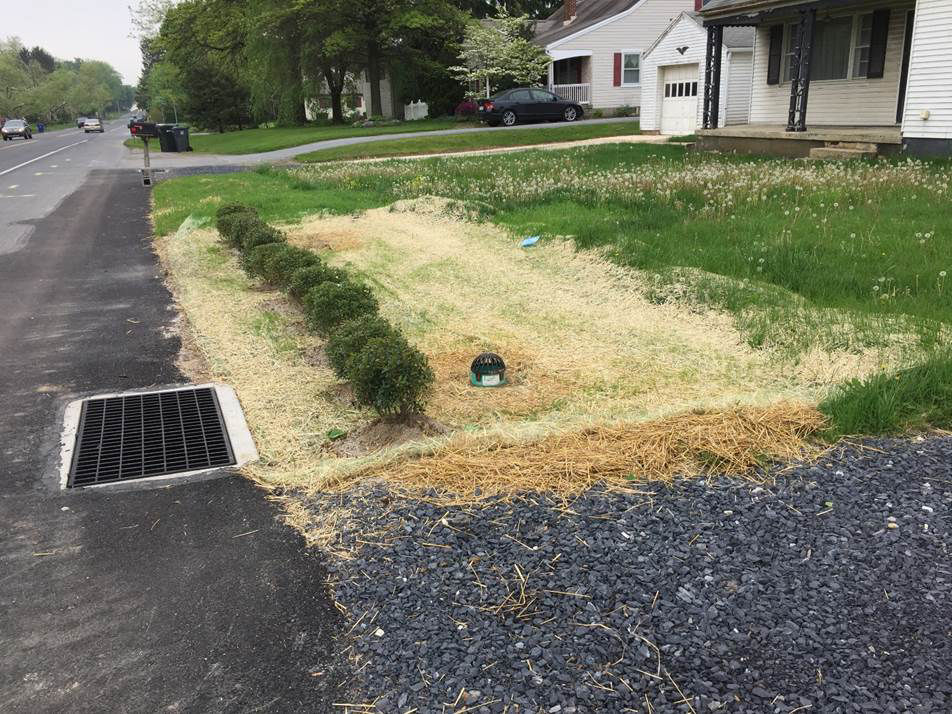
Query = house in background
x=672 y=78
x=596 y=48
x=357 y=98
x=836 y=78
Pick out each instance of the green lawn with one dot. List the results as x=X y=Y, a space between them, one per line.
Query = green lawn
x=252 y=141
x=852 y=259
x=470 y=142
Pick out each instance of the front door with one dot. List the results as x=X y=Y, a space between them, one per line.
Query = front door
x=679 y=99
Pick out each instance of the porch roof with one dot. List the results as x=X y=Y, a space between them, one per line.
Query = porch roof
x=755 y=12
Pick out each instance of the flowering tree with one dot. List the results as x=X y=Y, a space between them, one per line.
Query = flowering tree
x=500 y=50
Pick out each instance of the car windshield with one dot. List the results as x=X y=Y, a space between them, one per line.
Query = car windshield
x=15 y=124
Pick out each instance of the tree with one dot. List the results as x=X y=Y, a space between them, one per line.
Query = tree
x=500 y=54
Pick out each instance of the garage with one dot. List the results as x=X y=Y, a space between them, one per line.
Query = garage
x=679 y=99
x=672 y=76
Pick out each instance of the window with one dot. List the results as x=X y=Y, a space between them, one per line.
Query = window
x=539 y=95
x=519 y=95
x=864 y=38
x=630 y=69
x=837 y=42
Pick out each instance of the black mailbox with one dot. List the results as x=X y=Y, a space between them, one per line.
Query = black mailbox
x=144 y=129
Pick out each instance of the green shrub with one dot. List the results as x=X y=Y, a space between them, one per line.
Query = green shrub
x=331 y=304
x=281 y=264
x=259 y=233
x=891 y=403
x=391 y=376
x=226 y=216
x=304 y=279
x=347 y=341
x=258 y=260
x=234 y=226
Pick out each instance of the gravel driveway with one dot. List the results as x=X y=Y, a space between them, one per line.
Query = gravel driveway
x=831 y=592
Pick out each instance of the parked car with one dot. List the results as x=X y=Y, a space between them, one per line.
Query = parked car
x=14 y=128
x=93 y=125
x=80 y=121
x=525 y=105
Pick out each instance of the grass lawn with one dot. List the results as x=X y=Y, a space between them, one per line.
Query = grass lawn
x=252 y=141
x=753 y=280
x=470 y=142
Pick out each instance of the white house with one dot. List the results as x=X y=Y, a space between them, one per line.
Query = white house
x=672 y=78
x=596 y=48
x=837 y=77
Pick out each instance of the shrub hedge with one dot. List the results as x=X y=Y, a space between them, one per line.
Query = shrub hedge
x=303 y=279
x=332 y=304
x=391 y=376
x=388 y=373
x=347 y=341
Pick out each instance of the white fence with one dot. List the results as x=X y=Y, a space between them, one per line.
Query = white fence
x=578 y=93
x=415 y=110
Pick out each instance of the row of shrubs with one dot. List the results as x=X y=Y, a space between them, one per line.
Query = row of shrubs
x=386 y=371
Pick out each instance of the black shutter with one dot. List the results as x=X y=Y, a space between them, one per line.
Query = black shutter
x=775 y=56
x=877 y=44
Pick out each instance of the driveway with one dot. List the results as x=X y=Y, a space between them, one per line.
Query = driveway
x=134 y=159
x=186 y=598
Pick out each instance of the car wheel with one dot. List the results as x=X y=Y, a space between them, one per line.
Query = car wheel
x=509 y=117
x=570 y=114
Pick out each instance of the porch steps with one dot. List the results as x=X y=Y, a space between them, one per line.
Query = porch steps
x=844 y=150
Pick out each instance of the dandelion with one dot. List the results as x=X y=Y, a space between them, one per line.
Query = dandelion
x=875 y=288
x=941 y=273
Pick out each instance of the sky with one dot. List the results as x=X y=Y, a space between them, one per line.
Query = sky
x=91 y=29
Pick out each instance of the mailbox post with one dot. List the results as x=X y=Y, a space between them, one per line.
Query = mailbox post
x=145 y=130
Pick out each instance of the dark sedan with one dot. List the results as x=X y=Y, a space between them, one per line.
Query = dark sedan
x=14 y=128
x=527 y=105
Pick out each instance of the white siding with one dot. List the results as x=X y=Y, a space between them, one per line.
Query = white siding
x=735 y=75
x=870 y=102
x=635 y=31
x=738 y=88
x=930 y=73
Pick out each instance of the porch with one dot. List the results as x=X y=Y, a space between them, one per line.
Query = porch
x=835 y=71
x=571 y=77
x=816 y=142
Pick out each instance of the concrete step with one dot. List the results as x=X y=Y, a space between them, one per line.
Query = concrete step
x=836 y=153
x=856 y=145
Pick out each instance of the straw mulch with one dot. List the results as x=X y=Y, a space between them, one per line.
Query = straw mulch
x=730 y=442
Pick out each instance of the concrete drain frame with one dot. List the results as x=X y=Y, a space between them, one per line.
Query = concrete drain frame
x=210 y=411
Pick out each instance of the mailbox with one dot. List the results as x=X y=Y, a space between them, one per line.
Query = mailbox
x=144 y=129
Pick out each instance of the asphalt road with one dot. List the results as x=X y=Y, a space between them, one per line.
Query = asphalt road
x=186 y=598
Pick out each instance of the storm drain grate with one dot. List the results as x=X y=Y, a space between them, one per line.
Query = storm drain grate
x=135 y=436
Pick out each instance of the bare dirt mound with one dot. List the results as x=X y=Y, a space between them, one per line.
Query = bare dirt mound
x=385 y=433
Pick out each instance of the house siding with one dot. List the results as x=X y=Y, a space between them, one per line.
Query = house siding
x=871 y=102
x=636 y=31
x=930 y=73
x=735 y=87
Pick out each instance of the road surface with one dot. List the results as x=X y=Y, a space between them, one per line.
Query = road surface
x=187 y=598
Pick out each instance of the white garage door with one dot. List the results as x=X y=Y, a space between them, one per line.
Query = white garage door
x=679 y=99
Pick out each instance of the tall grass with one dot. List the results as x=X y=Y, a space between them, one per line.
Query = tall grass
x=911 y=398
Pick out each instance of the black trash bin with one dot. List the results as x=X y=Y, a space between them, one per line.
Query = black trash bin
x=181 y=138
x=167 y=137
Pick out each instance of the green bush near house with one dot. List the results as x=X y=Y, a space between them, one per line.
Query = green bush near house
x=303 y=279
x=391 y=376
x=348 y=340
x=892 y=403
x=331 y=304
x=234 y=226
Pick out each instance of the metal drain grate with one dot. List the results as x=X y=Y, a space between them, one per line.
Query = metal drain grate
x=150 y=434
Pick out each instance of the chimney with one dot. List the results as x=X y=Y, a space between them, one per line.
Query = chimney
x=698 y=4
x=569 y=9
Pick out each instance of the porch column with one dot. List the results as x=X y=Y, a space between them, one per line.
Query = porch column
x=712 y=75
x=551 y=75
x=800 y=72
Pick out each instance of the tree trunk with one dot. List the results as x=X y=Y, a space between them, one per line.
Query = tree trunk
x=373 y=77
